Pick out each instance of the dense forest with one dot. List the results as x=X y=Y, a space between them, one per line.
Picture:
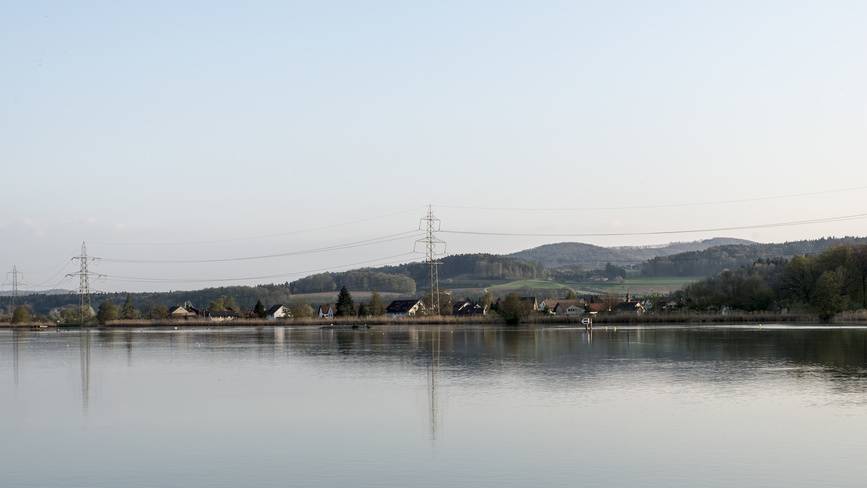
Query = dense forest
x=827 y=283
x=356 y=280
x=474 y=266
x=714 y=260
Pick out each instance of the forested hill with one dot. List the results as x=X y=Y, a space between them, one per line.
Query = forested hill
x=589 y=256
x=711 y=261
x=405 y=278
x=471 y=267
x=244 y=296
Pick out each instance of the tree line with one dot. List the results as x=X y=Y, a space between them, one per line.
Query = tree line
x=826 y=283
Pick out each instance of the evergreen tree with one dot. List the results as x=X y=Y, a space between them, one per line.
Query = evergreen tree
x=259 y=309
x=345 y=306
x=363 y=310
x=128 y=311
x=107 y=311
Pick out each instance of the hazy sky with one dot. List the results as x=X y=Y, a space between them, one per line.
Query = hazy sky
x=156 y=122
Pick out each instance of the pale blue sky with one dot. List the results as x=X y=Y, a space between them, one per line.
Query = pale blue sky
x=156 y=121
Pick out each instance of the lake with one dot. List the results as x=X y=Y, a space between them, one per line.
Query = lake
x=434 y=406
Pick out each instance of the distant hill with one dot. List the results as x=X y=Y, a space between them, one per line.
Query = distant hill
x=711 y=261
x=588 y=256
x=53 y=291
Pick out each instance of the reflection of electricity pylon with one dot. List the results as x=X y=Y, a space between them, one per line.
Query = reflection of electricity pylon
x=83 y=283
x=432 y=385
x=434 y=247
x=84 y=349
x=16 y=338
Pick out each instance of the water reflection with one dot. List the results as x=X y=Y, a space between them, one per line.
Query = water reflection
x=432 y=370
x=16 y=341
x=435 y=406
x=84 y=354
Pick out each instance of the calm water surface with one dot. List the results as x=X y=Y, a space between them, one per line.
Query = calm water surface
x=658 y=407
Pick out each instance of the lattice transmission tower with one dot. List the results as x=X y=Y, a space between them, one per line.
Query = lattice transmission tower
x=434 y=247
x=16 y=275
x=84 y=275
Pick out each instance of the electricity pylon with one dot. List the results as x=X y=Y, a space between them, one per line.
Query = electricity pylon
x=15 y=276
x=434 y=247
x=83 y=282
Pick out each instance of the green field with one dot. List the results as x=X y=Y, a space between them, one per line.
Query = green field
x=635 y=285
x=639 y=285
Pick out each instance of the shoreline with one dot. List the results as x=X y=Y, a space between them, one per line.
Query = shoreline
x=345 y=322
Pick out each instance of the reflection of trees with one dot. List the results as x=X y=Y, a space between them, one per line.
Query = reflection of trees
x=547 y=356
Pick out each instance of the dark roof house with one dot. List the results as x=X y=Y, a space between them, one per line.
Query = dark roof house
x=408 y=307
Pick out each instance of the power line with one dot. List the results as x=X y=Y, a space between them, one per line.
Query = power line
x=662 y=232
x=335 y=247
x=252 y=238
x=134 y=279
x=658 y=206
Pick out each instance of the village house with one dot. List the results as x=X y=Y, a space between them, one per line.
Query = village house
x=570 y=308
x=547 y=305
x=326 y=311
x=405 y=308
x=185 y=312
x=222 y=315
x=531 y=302
x=277 y=312
x=468 y=308
x=629 y=307
x=597 y=307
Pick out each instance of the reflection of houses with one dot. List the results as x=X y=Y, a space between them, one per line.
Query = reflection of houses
x=277 y=312
x=569 y=308
x=405 y=308
x=468 y=308
x=326 y=311
x=223 y=315
x=184 y=312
